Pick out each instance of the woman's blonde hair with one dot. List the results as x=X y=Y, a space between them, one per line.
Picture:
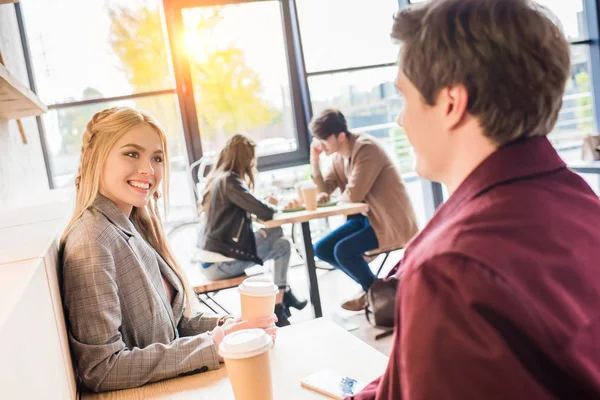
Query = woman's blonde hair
x=239 y=156
x=102 y=133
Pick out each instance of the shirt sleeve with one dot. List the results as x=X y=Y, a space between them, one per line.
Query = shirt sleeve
x=366 y=166
x=239 y=195
x=329 y=182
x=199 y=323
x=104 y=362
x=449 y=348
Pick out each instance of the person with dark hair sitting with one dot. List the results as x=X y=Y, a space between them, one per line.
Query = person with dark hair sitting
x=364 y=173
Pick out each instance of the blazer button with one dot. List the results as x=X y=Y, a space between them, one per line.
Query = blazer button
x=204 y=369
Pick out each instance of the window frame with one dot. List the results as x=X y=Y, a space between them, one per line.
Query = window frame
x=295 y=63
x=61 y=105
x=300 y=94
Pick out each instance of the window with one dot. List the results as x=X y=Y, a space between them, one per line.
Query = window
x=263 y=67
x=357 y=33
x=571 y=16
x=577 y=117
x=237 y=60
x=353 y=68
x=99 y=52
x=370 y=103
x=106 y=55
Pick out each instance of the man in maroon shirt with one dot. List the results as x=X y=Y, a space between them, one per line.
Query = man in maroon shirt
x=499 y=296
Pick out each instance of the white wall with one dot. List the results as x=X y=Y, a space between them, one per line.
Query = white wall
x=22 y=171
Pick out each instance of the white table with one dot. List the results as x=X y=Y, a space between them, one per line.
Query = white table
x=299 y=351
x=304 y=217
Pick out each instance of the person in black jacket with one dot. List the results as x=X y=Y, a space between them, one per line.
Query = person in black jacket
x=227 y=241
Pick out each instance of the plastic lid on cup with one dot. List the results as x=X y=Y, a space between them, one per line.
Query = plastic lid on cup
x=245 y=344
x=258 y=287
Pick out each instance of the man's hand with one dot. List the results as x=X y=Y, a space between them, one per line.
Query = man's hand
x=316 y=148
x=323 y=198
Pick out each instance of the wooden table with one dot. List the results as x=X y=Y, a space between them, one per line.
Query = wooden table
x=299 y=351
x=304 y=217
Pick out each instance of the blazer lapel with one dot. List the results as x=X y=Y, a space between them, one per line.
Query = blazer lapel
x=173 y=279
x=148 y=258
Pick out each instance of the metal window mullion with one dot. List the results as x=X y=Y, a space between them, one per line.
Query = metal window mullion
x=301 y=103
x=32 y=86
x=109 y=99
x=433 y=197
x=183 y=81
x=350 y=69
x=579 y=42
x=592 y=18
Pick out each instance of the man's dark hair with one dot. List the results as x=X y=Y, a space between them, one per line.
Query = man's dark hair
x=330 y=122
x=510 y=55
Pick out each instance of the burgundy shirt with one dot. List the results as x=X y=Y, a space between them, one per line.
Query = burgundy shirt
x=500 y=293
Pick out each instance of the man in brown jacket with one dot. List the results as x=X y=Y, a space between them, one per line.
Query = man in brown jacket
x=364 y=173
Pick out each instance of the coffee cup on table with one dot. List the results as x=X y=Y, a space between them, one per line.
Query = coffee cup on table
x=309 y=191
x=257 y=297
x=248 y=362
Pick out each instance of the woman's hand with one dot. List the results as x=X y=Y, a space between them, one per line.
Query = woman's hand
x=271 y=199
x=266 y=323
x=237 y=324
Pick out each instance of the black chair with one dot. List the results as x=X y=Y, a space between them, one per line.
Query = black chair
x=374 y=256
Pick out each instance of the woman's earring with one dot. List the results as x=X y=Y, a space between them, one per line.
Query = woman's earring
x=157 y=195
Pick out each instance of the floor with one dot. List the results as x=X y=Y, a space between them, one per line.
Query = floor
x=334 y=287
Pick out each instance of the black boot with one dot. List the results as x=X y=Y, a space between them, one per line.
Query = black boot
x=282 y=315
x=291 y=301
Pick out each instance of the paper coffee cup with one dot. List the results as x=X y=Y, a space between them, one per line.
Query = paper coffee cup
x=248 y=362
x=309 y=191
x=257 y=297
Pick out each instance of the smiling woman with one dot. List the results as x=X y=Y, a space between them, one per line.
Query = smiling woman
x=134 y=168
x=128 y=303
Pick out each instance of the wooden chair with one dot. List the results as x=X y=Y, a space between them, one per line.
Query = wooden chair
x=205 y=289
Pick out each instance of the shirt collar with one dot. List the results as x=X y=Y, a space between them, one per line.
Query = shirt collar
x=351 y=141
x=114 y=214
x=514 y=161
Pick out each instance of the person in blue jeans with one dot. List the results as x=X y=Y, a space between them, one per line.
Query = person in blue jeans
x=363 y=171
x=344 y=247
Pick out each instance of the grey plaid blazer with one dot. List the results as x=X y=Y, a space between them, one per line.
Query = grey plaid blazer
x=122 y=330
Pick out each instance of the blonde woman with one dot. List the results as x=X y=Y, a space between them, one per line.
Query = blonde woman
x=132 y=315
x=228 y=243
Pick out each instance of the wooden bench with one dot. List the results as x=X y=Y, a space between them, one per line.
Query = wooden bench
x=205 y=289
x=33 y=331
